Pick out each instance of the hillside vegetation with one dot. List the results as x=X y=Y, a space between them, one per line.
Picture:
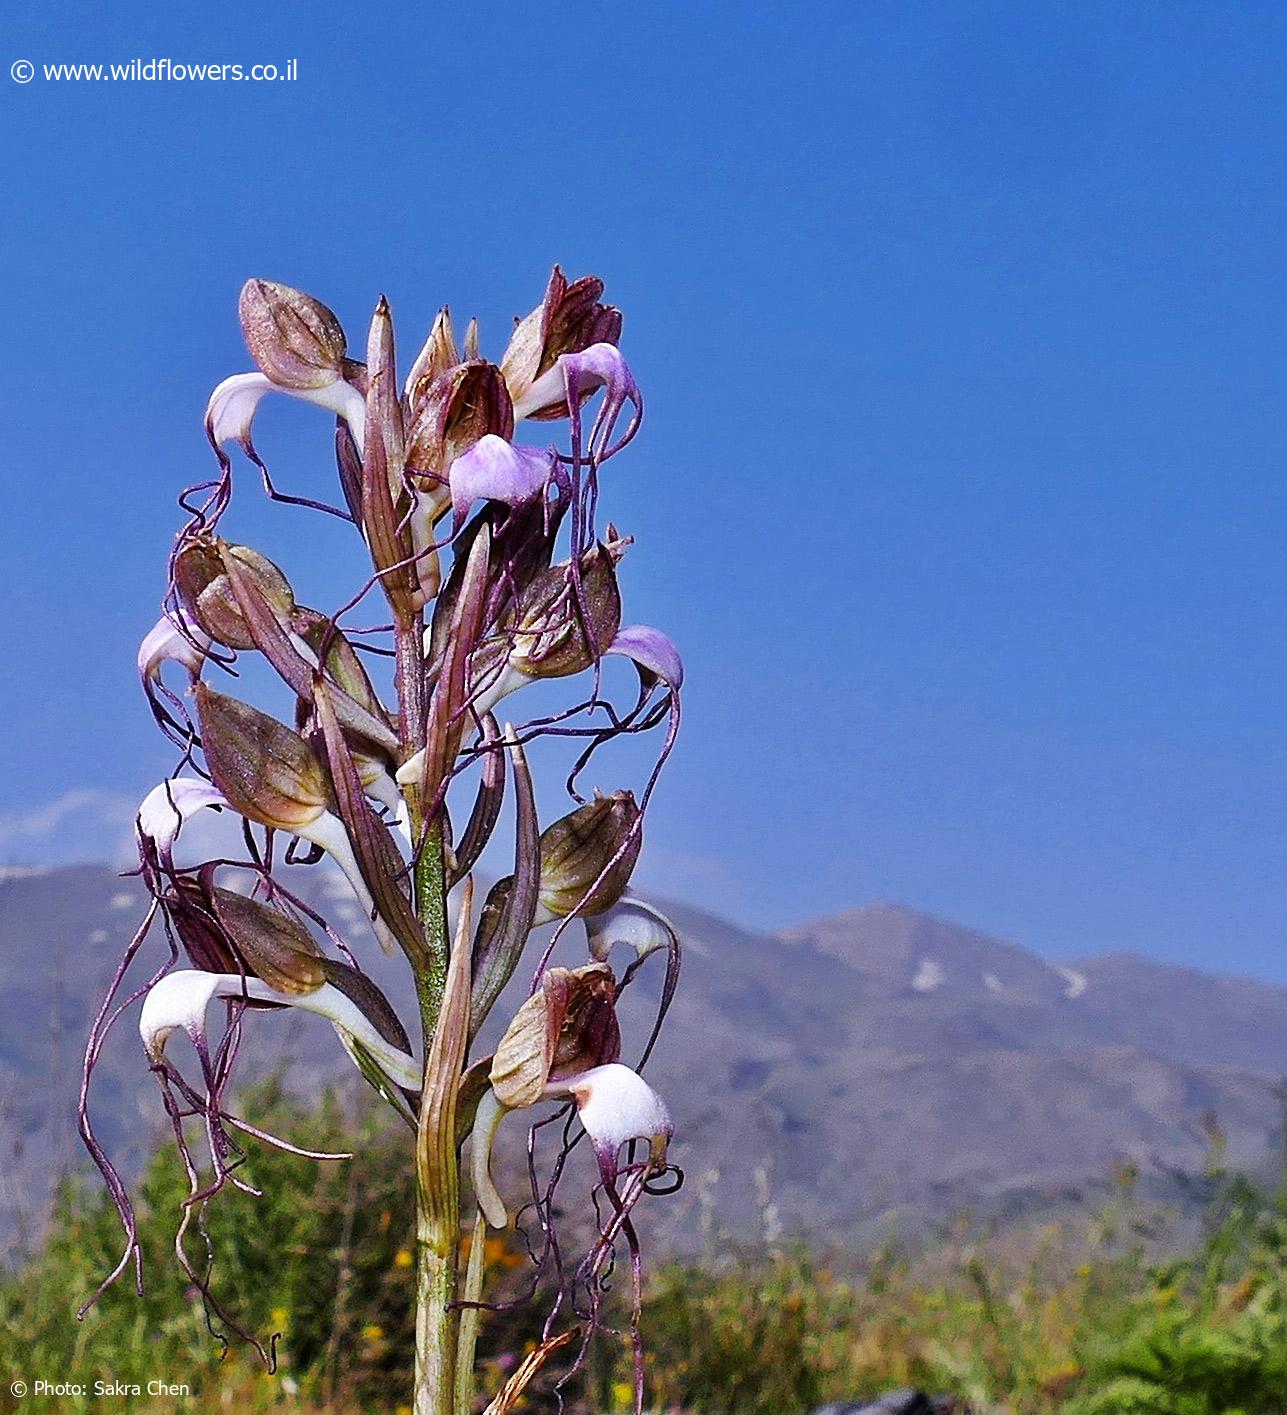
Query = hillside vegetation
x=1081 y=1319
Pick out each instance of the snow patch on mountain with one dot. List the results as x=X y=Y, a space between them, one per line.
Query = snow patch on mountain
x=929 y=975
x=1077 y=983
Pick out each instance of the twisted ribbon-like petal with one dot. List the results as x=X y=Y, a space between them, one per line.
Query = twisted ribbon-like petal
x=181 y=999
x=231 y=409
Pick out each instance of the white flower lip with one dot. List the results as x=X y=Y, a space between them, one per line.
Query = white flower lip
x=231 y=409
x=165 y=808
x=616 y=1104
x=630 y=921
x=181 y=999
x=173 y=637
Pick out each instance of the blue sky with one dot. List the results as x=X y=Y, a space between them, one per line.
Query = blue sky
x=962 y=484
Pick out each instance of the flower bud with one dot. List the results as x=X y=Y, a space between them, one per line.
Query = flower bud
x=460 y=406
x=551 y=641
x=201 y=581
x=274 y=947
x=570 y=318
x=267 y=772
x=384 y=498
x=565 y=1028
x=293 y=338
x=188 y=909
x=604 y=835
x=438 y=355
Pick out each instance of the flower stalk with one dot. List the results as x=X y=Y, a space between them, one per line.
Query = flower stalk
x=484 y=553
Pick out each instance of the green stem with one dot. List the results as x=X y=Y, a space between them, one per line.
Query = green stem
x=469 y=1317
x=438 y=1177
x=431 y=909
x=436 y=1244
x=437 y=1174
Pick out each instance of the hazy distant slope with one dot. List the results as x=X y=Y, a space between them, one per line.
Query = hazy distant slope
x=877 y=1064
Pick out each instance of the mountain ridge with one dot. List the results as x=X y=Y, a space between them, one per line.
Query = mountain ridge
x=876 y=1066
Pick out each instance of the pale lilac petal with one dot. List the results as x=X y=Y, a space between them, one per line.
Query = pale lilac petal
x=496 y=470
x=652 y=650
x=603 y=366
x=172 y=638
x=573 y=376
x=231 y=409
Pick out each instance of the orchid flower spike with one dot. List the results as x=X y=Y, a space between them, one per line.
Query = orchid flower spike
x=181 y=999
x=497 y=572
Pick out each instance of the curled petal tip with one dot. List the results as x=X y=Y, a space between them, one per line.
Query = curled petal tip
x=653 y=652
x=563 y=388
x=601 y=365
